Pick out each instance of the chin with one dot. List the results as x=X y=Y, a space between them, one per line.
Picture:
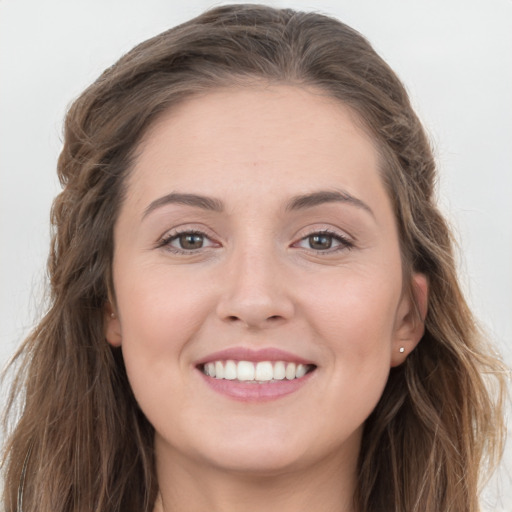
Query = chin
x=258 y=461
x=268 y=448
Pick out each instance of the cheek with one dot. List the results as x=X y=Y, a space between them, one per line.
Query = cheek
x=356 y=310
x=161 y=314
x=160 y=307
x=353 y=323
x=354 y=319
x=160 y=318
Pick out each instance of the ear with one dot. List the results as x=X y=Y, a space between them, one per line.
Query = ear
x=410 y=319
x=112 y=326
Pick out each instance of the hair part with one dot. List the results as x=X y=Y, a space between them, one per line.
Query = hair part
x=81 y=442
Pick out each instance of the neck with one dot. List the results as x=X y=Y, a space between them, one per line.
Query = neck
x=193 y=486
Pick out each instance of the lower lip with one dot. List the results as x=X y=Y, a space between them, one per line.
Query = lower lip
x=255 y=392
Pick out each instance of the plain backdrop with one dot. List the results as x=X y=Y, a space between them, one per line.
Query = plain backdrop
x=455 y=57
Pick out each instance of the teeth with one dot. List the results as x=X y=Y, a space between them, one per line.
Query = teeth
x=290 y=371
x=219 y=370
x=209 y=369
x=245 y=370
x=263 y=371
x=279 y=370
x=301 y=371
x=230 y=372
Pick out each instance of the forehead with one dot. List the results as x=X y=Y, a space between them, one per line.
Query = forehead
x=248 y=106
x=292 y=136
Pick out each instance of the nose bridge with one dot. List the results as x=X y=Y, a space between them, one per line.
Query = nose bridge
x=254 y=291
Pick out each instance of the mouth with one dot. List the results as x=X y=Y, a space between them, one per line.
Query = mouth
x=251 y=372
x=247 y=375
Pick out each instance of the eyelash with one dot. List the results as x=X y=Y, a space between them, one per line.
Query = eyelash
x=166 y=241
x=344 y=242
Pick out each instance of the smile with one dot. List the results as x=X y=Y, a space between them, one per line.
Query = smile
x=249 y=375
x=262 y=372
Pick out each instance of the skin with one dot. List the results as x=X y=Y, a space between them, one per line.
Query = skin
x=257 y=282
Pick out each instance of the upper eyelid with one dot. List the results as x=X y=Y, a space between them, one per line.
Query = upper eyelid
x=344 y=239
x=326 y=229
x=190 y=228
x=301 y=234
x=172 y=234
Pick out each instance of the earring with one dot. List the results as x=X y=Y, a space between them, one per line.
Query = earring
x=112 y=315
x=402 y=350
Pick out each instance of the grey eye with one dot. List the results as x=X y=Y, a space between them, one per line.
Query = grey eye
x=189 y=241
x=324 y=241
x=320 y=241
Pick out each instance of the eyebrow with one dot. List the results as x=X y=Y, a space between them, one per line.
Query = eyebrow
x=300 y=202
x=326 y=196
x=197 y=201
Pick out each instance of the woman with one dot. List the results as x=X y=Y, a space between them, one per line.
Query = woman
x=254 y=299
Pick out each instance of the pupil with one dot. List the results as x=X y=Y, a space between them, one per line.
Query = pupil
x=191 y=241
x=320 y=241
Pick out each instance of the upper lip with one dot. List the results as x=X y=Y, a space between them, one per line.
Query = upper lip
x=255 y=356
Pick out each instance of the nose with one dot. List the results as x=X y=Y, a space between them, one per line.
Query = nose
x=255 y=292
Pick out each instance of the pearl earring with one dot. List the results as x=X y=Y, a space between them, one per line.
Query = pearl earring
x=402 y=350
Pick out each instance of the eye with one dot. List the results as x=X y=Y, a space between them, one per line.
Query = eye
x=324 y=241
x=186 y=241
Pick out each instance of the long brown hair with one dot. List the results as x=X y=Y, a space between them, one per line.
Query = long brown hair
x=80 y=442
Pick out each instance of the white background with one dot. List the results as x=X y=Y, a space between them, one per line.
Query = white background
x=455 y=57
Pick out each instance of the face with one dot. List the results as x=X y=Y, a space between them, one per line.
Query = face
x=258 y=281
